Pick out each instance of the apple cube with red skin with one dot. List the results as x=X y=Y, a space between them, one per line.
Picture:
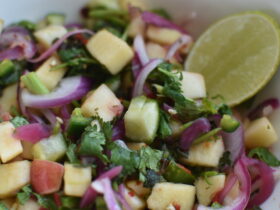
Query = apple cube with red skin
x=46 y=176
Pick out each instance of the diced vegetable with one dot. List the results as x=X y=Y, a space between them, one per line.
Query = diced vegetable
x=47 y=35
x=141 y=120
x=136 y=3
x=9 y=98
x=6 y=67
x=164 y=36
x=193 y=85
x=178 y=174
x=29 y=205
x=181 y=196
x=260 y=133
x=135 y=146
x=155 y=50
x=33 y=83
x=103 y=103
x=10 y=147
x=52 y=148
x=136 y=27
x=46 y=176
x=109 y=50
x=133 y=200
x=205 y=154
x=137 y=187
x=55 y=19
x=50 y=78
x=76 y=180
x=13 y=177
x=229 y=124
x=207 y=189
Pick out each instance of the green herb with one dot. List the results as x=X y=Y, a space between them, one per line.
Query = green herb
x=162 y=12
x=224 y=109
x=45 y=202
x=152 y=178
x=93 y=142
x=207 y=136
x=70 y=202
x=107 y=129
x=24 y=195
x=71 y=153
x=216 y=205
x=19 y=121
x=26 y=24
x=164 y=129
x=3 y=206
x=265 y=155
x=225 y=160
x=208 y=174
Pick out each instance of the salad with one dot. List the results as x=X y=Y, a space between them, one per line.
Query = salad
x=103 y=115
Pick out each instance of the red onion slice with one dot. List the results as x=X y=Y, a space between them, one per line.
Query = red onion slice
x=183 y=40
x=32 y=132
x=12 y=53
x=197 y=128
x=265 y=108
x=243 y=176
x=140 y=49
x=71 y=88
x=154 y=19
x=140 y=81
x=57 y=44
x=118 y=130
x=121 y=197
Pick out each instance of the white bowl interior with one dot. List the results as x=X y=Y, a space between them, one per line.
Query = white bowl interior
x=195 y=14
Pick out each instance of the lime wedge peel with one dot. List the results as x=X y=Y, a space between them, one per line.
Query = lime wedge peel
x=238 y=55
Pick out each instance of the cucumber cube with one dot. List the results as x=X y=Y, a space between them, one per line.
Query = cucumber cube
x=141 y=120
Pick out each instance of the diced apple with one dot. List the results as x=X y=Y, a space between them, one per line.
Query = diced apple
x=137 y=187
x=166 y=194
x=205 y=154
x=260 y=133
x=102 y=102
x=50 y=78
x=52 y=148
x=207 y=189
x=10 y=147
x=133 y=200
x=111 y=51
x=29 y=205
x=135 y=146
x=27 y=150
x=76 y=180
x=13 y=177
x=164 y=36
x=137 y=26
x=136 y=3
x=141 y=120
x=46 y=176
x=9 y=98
x=193 y=85
x=47 y=35
x=155 y=50
x=111 y=4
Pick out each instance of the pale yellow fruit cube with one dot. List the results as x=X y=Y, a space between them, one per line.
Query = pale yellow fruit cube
x=9 y=98
x=138 y=188
x=164 y=36
x=193 y=85
x=136 y=3
x=47 y=35
x=102 y=102
x=76 y=180
x=205 y=154
x=260 y=133
x=137 y=26
x=133 y=200
x=206 y=191
x=10 y=147
x=29 y=205
x=165 y=194
x=155 y=50
x=13 y=177
x=111 y=51
x=50 y=78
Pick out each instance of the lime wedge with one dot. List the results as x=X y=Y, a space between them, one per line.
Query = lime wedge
x=237 y=55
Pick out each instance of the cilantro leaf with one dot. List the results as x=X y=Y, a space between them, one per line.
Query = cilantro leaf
x=3 y=206
x=107 y=129
x=164 y=129
x=24 y=195
x=71 y=153
x=19 y=121
x=148 y=159
x=265 y=155
x=152 y=178
x=45 y=202
x=92 y=143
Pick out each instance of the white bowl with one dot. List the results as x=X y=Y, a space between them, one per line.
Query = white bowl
x=196 y=14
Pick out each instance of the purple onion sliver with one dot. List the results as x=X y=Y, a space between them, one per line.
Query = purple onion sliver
x=71 y=88
x=121 y=197
x=11 y=53
x=89 y=196
x=272 y=103
x=140 y=81
x=118 y=130
x=136 y=66
x=183 y=40
x=50 y=116
x=57 y=44
x=140 y=49
x=197 y=128
x=154 y=19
